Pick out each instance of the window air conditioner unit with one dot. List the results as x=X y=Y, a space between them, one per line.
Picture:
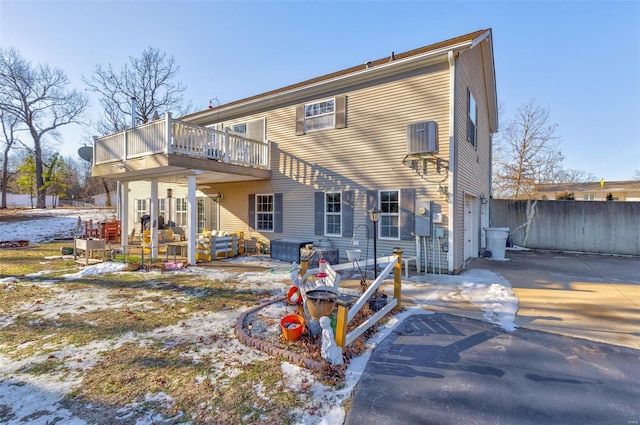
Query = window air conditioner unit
x=422 y=138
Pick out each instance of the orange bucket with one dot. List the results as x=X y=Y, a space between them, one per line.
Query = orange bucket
x=294 y=297
x=292 y=326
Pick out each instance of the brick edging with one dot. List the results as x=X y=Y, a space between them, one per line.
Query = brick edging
x=269 y=348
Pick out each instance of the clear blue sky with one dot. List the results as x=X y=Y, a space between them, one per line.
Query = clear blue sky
x=579 y=59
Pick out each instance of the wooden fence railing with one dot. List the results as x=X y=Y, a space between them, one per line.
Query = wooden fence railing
x=347 y=309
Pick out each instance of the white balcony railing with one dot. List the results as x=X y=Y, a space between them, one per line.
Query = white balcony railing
x=170 y=136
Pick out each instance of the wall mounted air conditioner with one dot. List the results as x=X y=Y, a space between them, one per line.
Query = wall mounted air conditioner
x=422 y=138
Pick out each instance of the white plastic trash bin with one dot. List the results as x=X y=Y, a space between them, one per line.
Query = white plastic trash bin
x=497 y=241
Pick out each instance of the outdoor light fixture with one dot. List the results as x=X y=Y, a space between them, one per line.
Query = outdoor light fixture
x=374 y=216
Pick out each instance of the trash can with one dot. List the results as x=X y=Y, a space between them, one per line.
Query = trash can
x=497 y=241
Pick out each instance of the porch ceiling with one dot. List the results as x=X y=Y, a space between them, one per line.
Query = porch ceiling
x=176 y=168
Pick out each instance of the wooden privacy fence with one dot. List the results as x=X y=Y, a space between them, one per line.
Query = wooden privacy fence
x=347 y=309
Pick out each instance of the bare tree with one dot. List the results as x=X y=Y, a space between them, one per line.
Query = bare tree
x=9 y=123
x=149 y=79
x=636 y=175
x=39 y=99
x=527 y=153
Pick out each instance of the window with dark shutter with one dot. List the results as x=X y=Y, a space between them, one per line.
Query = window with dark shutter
x=318 y=213
x=299 y=120
x=327 y=113
x=277 y=213
x=407 y=216
x=347 y=213
x=252 y=211
x=341 y=112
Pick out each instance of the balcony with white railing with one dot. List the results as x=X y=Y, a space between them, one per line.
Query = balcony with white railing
x=173 y=137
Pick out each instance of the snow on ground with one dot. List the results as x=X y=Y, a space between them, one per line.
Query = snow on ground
x=45 y=225
x=475 y=289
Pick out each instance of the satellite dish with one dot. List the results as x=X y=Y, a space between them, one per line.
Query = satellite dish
x=86 y=153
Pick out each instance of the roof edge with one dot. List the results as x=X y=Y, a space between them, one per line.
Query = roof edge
x=459 y=42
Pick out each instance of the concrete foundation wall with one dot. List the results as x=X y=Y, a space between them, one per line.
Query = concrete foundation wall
x=582 y=226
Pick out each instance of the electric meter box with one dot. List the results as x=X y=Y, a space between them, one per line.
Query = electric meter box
x=423 y=220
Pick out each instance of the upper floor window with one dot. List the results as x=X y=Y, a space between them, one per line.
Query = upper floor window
x=472 y=118
x=390 y=216
x=327 y=113
x=333 y=213
x=264 y=213
x=319 y=115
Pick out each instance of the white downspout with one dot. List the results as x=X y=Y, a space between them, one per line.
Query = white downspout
x=453 y=160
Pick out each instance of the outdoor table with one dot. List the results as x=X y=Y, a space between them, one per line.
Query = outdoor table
x=174 y=246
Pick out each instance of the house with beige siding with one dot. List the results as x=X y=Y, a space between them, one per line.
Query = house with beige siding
x=408 y=134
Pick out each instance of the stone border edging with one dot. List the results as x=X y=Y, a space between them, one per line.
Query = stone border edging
x=269 y=348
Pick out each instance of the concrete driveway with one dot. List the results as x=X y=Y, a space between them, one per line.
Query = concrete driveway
x=587 y=296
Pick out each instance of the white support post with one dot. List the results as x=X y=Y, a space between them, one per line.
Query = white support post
x=167 y=132
x=226 y=145
x=191 y=218
x=154 y=218
x=123 y=202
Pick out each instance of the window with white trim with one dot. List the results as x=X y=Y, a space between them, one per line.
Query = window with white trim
x=140 y=209
x=181 y=211
x=201 y=215
x=389 y=205
x=264 y=212
x=319 y=115
x=589 y=197
x=333 y=213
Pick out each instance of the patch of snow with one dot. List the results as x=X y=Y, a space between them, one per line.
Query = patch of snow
x=35 y=398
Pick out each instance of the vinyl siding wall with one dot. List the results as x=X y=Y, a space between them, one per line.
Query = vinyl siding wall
x=366 y=155
x=474 y=163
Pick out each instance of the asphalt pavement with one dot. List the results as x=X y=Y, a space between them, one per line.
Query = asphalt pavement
x=574 y=359
x=444 y=369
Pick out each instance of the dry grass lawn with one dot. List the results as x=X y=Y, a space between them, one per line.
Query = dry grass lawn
x=126 y=346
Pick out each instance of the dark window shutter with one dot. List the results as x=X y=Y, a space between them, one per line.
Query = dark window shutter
x=407 y=207
x=299 y=120
x=252 y=211
x=341 y=112
x=347 y=213
x=277 y=213
x=319 y=213
x=372 y=201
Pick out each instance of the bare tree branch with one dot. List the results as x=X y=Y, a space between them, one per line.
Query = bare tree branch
x=41 y=102
x=149 y=78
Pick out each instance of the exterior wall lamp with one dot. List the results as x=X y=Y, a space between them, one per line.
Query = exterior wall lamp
x=374 y=216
